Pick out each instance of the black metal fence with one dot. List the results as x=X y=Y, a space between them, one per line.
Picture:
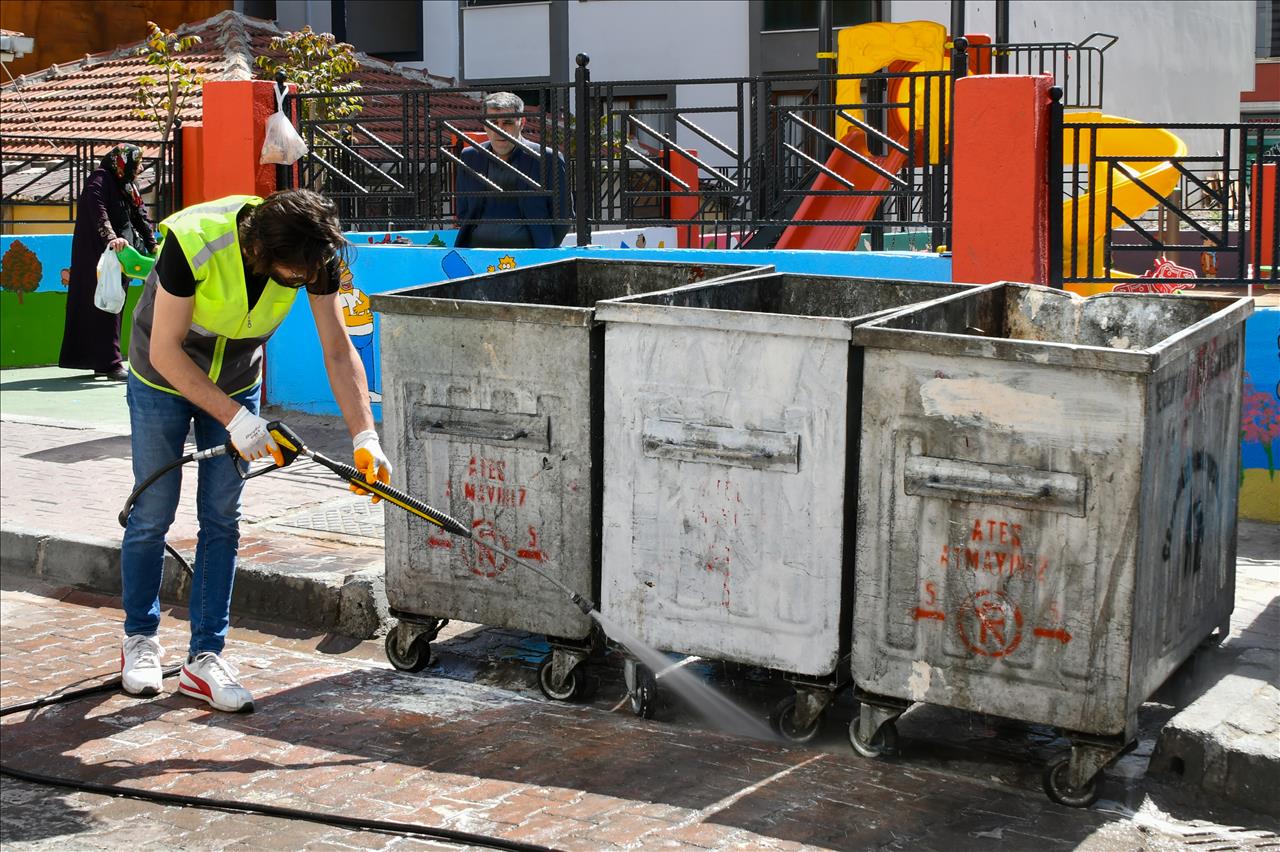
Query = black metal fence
x=43 y=177
x=1134 y=195
x=1077 y=69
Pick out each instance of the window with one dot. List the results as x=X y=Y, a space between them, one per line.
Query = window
x=803 y=14
x=637 y=106
x=1268 y=29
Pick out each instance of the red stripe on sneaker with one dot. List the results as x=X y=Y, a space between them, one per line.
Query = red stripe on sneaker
x=196 y=685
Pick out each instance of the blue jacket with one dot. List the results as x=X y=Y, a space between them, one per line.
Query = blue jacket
x=528 y=159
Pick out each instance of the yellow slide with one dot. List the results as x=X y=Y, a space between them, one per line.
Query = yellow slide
x=1127 y=196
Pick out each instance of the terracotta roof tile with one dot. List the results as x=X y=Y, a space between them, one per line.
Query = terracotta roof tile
x=93 y=97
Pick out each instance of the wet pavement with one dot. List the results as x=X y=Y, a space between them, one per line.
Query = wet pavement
x=470 y=744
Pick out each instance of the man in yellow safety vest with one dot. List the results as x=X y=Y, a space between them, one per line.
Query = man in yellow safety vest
x=225 y=279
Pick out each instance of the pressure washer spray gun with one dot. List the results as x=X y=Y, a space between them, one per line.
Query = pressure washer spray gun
x=291 y=447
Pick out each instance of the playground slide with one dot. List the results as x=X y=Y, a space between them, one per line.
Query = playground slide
x=836 y=207
x=1127 y=193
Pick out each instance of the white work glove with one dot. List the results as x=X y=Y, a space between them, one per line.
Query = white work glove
x=370 y=460
x=251 y=439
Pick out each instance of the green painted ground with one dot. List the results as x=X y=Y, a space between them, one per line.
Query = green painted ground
x=31 y=331
x=67 y=396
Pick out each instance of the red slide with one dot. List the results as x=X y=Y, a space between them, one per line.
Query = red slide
x=834 y=207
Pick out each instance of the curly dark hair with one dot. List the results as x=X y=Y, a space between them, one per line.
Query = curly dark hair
x=296 y=227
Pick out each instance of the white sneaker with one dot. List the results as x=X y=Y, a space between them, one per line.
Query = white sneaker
x=211 y=678
x=140 y=670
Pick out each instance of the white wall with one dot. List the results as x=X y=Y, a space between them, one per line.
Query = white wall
x=669 y=39
x=1175 y=61
x=439 y=38
x=293 y=15
x=506 y=41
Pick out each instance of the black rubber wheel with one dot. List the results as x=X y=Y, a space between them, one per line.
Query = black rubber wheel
x=783 y=721
x=417 y=658
x=1055 y=785
x=567 y=692
x=644 y=697
x=885 y=740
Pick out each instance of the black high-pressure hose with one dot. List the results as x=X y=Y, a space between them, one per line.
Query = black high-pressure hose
x=291 y=447
x=123 y=517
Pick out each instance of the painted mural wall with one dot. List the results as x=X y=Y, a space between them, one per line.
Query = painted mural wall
x=1260 y=418
x=33 y=274
x=296 y=380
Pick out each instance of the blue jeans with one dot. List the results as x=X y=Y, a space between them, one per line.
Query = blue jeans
x=160 y=421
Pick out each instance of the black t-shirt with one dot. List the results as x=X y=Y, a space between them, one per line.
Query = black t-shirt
x=177 y=278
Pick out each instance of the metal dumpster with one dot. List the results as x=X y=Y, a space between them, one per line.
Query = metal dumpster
x=491 y=403
x=731 y=430
x=1047 y=509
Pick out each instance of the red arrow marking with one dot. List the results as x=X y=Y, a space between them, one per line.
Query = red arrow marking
x=1061 y=635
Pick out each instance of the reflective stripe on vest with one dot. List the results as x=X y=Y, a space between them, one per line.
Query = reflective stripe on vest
x=209 y=237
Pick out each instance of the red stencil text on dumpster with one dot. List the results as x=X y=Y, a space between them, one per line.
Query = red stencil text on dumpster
x=486 y=485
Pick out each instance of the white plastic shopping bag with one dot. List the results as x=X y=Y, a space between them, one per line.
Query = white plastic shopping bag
x=283 y=146
x=109 y=294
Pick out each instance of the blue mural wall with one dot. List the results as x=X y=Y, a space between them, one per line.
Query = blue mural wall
x=295 y=369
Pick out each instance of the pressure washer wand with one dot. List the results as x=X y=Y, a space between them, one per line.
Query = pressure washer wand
x=292 y=446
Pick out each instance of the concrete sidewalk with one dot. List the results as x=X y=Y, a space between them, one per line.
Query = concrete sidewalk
x=312 y=564
x=311 y=552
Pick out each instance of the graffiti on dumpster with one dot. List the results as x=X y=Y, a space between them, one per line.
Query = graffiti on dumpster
x=1209 y=362
x=990 y=624
x=1197 y=482
x=485 y=485
x=988 y=621
x=993 y=546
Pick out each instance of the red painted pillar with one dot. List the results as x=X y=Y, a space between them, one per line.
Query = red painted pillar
x=1263 y=207
x=235 y=121
x=685 y=205
x=1000 y=205
x=192 y=164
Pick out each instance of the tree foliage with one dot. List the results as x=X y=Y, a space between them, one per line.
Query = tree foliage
x=170 y=83
x=20 y=269
x=318 y=64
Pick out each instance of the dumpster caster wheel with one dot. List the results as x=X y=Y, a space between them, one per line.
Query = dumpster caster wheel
x=885 y=740
x=1056 y=775
x=783 y=720
x=644 y=697
x=417 y=658
x=574 y=687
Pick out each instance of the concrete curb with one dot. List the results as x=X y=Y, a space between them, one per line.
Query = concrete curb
x=1235 y=756
x=352 y=604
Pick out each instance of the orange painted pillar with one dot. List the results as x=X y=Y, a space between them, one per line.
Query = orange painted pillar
x=192 y=164
x=1263 y=206
x=1000 y=201
x=684 y=206
x=235 y=122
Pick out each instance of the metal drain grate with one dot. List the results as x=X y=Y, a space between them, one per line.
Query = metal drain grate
x=346 y=517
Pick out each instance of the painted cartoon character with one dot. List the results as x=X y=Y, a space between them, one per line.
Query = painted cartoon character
x=359 y=319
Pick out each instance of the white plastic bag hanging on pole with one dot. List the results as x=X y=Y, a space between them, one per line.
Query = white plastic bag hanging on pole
x=283 y=146
x=109 y=294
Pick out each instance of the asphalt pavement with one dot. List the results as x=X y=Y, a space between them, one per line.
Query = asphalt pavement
x=471 y=744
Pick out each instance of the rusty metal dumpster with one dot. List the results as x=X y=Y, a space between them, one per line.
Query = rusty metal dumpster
x=1047 y=509
x=491 y=403
x=731 y=430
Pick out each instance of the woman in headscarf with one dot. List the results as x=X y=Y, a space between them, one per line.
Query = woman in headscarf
x=110 y=214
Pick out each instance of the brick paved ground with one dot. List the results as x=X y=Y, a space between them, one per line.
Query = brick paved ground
x=345 y=734
x=335 y=733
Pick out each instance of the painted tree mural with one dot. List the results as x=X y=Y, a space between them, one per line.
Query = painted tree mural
x=20 y=270
x=1260 y=421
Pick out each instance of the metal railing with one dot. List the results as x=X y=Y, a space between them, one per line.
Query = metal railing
x=1127 y=204
x=1077 y=69
x=43 y=177
x=737 y=163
